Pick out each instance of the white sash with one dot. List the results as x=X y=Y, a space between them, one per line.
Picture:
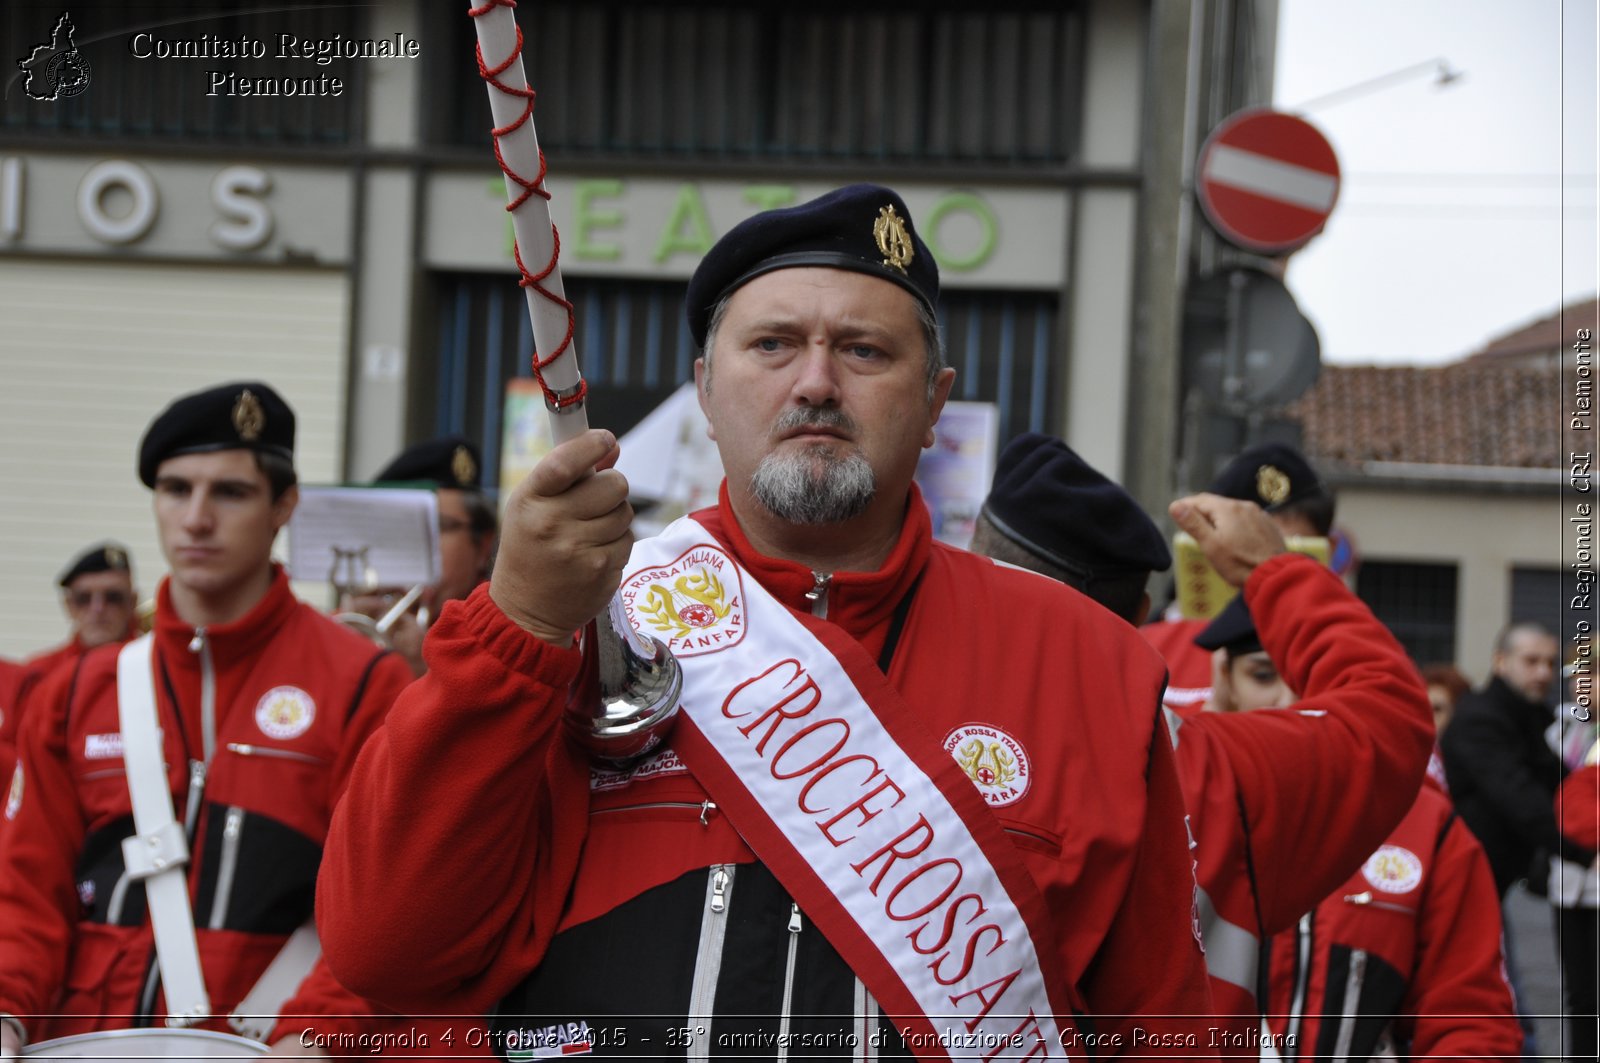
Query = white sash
x=158 y=853
x=873 y=828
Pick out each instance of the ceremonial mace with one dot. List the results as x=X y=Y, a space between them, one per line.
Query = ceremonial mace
x=627 y=692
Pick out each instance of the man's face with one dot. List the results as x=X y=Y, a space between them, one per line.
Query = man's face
x=817 y=392
x=100 y=605
x=217 y=519
x=461 y=559
x=1528 y=665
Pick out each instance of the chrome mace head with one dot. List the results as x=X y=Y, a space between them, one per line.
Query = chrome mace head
x=625 y=698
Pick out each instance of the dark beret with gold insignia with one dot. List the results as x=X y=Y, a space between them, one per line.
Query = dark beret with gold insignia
x=862 y=228
x=1051 y=502
x=1270 y=475
x=242 y=416
x=107 y=557
x=449 y=461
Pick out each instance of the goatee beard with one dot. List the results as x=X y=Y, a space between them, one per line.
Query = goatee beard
x=814 y=485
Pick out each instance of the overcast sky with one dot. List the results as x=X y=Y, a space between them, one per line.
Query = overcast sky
x=1466 y=210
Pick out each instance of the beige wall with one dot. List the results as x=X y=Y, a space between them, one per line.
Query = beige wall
x=1485 y=534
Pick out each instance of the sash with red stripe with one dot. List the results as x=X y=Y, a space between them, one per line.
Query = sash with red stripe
x=867 y=822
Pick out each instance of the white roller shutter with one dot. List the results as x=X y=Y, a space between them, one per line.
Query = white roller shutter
x=90 y=353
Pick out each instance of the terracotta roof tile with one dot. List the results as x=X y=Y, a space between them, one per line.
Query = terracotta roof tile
x=1478 y=412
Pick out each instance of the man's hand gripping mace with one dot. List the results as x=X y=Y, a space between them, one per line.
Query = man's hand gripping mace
x=627 y=693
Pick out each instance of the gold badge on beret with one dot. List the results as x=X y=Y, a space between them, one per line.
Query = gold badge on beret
x=894 y=239
x=115 y=558
x=248 y=417
x=1272 y=485
x=462 y=467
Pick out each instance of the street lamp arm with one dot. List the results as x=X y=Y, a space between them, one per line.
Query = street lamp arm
x=1443 y=73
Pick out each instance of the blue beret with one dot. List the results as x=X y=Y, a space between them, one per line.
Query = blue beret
x=107 y=557
x=1232 y=629
x=862 y=228
x=449 y=461
x=1270 y=475
x=1048 y=500
x=247 y=416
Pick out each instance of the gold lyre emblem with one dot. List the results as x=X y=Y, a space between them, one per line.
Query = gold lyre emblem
x=462 y=467
x=894 y=239
x=115 y=558
x=1272 y=485
x=989 y=764
x=697 y=600
x=248 y=417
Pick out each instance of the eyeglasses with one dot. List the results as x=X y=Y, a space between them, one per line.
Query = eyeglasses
x=83 y=599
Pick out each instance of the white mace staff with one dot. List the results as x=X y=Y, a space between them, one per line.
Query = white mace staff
x=627 y=694
x=516 y=148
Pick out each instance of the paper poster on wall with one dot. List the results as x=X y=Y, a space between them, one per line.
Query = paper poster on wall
x=955 y=472
x=525 y=437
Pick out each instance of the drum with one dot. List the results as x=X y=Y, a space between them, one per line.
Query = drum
x=116 y=1045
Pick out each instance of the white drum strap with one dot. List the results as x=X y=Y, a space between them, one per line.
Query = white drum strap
x=158 y=853
x=258 y=1012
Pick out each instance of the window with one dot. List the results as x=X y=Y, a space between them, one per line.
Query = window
x=1415 y=601
x=907 y=81
x=166 y=98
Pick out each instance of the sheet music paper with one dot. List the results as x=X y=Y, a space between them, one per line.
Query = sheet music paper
x=378 y=536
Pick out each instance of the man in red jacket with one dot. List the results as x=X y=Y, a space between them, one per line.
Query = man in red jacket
x=1402 y=960
x=1268 y=794
x=98 y=595
x=261 y=704
x=912 y=800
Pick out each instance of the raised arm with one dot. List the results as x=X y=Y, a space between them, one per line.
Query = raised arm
x=448 y=862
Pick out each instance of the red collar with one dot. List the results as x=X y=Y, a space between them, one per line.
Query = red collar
x=231 y=641
x=859 y=602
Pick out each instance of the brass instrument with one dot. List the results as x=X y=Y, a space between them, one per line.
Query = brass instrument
x=351 y=576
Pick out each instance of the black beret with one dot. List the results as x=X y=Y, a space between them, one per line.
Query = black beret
x=1270 y=475
x=449 y=461
x=863 y=228
x=247 y=416
x=1232 y=629
x=1048 y=500
x=107 y=557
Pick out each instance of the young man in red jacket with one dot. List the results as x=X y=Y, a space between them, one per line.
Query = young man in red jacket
x=261 y=703
x=1403 y=960
x=1268 y=795
x=913 y=801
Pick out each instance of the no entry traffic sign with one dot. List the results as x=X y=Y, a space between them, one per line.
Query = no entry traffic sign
x=1267 y=181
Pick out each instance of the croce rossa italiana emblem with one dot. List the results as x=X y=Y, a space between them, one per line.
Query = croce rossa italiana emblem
x=994 y=761
x=694 y=604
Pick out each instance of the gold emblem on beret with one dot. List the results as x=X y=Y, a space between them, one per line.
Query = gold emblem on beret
x=248 y=417
x=894 y=239
x=462 y=467
x=1272 y=485
x=115 y=558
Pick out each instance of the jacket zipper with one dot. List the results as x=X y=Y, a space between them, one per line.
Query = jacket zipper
x=232 y=828
x=867 y=1016
x=1365 y=898
x=818 y=594
x=705 y=807
x=1030 y=834
x=208 y=691
x=1297 y=1006
x=708 y=960
x=784 y=1017
x=1352 y=999
x=244 y=749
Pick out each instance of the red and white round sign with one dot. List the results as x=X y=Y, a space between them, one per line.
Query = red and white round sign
x=1267 y=181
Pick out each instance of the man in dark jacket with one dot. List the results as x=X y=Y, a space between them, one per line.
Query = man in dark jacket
x=1502 y=774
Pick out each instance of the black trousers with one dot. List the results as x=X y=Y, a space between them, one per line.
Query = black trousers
x=1578 y=938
